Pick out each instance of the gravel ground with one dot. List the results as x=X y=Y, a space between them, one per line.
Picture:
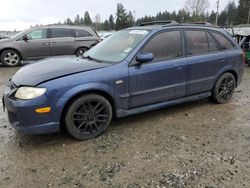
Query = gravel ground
x=198 y=144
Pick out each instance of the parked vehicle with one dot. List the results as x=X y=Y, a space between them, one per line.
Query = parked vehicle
x=135 y=70
x=45 y=41
x=246 y=48
x=105 y=35
x=3 y=37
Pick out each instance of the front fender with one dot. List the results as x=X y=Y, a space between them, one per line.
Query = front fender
x=85 y=88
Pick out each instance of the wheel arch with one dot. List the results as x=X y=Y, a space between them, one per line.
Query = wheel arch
x=228 y=70
x=102 y=93
x=81 y=47
x=11 y=48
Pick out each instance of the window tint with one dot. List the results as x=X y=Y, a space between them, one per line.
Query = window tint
x=37 y=34
x=223 y=41
x=164 y=46
x=60 y=32
x=196 y=42
x=213 y=44
x=82 y=33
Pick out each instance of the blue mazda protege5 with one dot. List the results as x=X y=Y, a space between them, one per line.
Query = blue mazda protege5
x=138 y=69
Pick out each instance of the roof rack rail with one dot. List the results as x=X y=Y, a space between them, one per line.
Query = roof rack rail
x=203 y=23
x=168 y=22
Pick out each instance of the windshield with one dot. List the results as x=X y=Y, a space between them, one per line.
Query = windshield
x=117 y=47
x=19 y=34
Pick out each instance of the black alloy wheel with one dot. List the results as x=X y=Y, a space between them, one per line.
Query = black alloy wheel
x=224 y=88
x=88 y=116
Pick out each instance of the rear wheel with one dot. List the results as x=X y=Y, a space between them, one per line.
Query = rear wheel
x=88 y=116
x=80 y=51
x=10 y=58
x=224 y=88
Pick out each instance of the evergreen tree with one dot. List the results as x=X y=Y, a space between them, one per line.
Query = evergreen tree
x=232 y=13
x=77 y=19
x=81 y=21
x=223 y=18
x=212 y=17
x=130 y=19
x=243 y=9
x=112 y=22
x=106 y=26
x=68 y=21
x=87 y=19
x=121 y=17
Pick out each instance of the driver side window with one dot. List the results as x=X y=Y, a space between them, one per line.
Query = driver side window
x=164 y=46
x=37 y=34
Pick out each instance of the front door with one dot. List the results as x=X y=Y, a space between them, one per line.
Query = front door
x=37 y=45
x=162 y=79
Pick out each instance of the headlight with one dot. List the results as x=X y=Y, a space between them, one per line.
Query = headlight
x=29 y=92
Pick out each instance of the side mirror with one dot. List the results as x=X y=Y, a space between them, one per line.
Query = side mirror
x=25 y=37
x=143 y=58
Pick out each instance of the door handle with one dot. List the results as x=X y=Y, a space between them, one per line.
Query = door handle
x=179 y=68
x=46 y=43
x=52 y=43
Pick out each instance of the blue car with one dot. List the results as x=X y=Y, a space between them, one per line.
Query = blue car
x=135 y=70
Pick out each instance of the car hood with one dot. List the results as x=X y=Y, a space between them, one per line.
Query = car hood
x=52 y=68
x=5 y=40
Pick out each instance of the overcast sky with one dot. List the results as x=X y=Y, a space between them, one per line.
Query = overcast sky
x=21 y=14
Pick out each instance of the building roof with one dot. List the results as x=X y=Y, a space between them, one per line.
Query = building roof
x=243 y=30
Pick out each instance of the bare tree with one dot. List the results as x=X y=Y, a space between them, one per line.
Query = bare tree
x=197 y=7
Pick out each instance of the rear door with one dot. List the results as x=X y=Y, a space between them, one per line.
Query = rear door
x=85 y=39
x=62 y=41
x=204 y=61
x=162 y=79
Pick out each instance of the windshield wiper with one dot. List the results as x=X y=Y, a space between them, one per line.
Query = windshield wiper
x=92 y=59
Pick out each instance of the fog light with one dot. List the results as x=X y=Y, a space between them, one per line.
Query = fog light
x=43 y=110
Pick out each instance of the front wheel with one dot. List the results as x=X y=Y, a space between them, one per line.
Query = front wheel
x=224 y=88
x=88 y=116
x=10 y=58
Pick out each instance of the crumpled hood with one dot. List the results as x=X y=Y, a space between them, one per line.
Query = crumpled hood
x=51 y=68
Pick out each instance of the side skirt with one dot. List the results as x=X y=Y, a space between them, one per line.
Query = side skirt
x=123 y=113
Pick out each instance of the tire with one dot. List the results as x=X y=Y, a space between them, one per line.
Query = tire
x=224 y=88
x=88 y=116
x=10 y=58
x=80 y=51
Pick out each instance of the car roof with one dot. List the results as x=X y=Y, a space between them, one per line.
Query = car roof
x=62 y=26
x=158 y=25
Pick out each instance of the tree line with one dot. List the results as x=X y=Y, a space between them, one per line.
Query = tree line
x=194 y=11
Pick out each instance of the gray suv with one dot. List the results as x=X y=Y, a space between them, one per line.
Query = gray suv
x=41 y=42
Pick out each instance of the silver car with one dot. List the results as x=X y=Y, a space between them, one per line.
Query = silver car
x=41 y=42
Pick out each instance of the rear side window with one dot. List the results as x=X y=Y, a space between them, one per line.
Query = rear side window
x=60 y=33
x=164 y=46
x=196 y=42
x=82 y=33
x=213 y=44
x=223 y=41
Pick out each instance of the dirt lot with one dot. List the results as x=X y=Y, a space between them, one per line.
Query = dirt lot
x=198 y=144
